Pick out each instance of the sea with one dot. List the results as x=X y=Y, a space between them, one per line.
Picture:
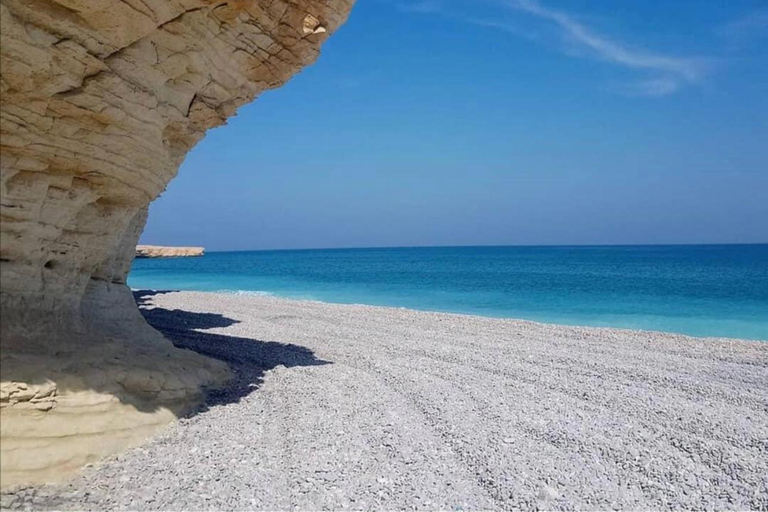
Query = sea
x=699 y=290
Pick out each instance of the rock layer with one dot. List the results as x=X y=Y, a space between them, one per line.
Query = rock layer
x=100 y=100
x=157 y=251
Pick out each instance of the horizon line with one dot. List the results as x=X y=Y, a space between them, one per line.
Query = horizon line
x=373 y=247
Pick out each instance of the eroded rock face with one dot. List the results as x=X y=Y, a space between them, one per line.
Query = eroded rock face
x=100 y=100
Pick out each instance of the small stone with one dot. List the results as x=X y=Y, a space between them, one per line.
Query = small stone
x=548 y=493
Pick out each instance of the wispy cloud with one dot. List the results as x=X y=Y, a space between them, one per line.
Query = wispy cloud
x=652 y=87
x=505 y=26
x=664 y=74
x=609 y=50
x=747 y=26
x=421 y=6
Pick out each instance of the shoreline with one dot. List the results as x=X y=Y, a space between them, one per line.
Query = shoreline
x=366 y=407
x=273 y=295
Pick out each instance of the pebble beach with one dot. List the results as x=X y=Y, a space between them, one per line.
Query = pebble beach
x=359 y=407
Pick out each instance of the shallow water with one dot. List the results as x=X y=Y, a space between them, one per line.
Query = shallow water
x=714 y=290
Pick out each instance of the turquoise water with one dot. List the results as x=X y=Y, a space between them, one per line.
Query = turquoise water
x=716 y=290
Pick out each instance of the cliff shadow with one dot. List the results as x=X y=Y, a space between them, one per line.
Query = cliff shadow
x=177 y=320
x=248 y=358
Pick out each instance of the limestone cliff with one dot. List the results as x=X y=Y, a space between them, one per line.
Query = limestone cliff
x=100 y=100
x=158 y=251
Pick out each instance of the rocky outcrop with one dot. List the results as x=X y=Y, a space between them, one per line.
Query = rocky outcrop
x=100 y=100
x=158 y=251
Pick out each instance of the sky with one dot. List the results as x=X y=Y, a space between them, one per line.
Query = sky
x=496 y=122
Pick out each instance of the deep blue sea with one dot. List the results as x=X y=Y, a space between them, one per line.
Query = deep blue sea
x=707 y=290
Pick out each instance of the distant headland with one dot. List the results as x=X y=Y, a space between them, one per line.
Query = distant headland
x=159 y=251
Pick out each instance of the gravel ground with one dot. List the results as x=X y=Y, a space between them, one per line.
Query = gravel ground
x=360 y=407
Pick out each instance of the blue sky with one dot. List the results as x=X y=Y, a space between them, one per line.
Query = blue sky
x=497 y=122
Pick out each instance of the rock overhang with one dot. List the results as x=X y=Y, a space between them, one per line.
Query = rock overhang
x=100 y=100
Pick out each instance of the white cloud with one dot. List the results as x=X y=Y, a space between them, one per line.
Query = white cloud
x=755 y=21
x=421 y=6
x=665 y=74
x=746 y=29
x=689 y=70
x=652 y=87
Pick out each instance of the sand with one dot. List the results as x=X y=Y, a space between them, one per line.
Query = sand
x=348 y=406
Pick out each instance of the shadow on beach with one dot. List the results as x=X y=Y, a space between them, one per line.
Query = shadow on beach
x=248 y=358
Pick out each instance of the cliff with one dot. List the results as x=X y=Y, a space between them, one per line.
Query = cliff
x=158 y=251
x=100 y=101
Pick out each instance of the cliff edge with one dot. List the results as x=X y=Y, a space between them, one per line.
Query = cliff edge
x=99 y=103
